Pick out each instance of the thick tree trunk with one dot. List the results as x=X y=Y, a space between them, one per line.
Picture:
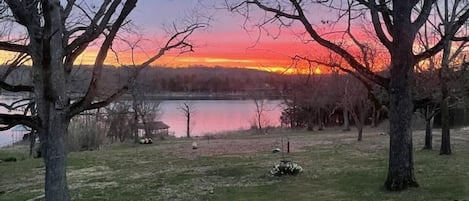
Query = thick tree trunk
x=401 y=161
x=54 y=154
x=401 y=169
x=52 y=102
x=428 y=134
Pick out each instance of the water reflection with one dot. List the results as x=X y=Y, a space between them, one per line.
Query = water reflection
x=209 y=117
x=214 y=116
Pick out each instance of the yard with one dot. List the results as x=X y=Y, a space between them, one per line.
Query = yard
x=236 y=167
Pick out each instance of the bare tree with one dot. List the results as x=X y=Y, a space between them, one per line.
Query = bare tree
x=447 y=14
x=145 y=110
x=356 y=102
x=188 y=110
x=57 y=33
x=261 y=107
x=119 y=120
x=395 y=25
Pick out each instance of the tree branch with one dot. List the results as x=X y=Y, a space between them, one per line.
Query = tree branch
x=377 y=23
x=340 y=51
x=86 y=101
x=16 y=88
x=449 y=35
x=11 y=120
x=424 y=13
x=13 y=47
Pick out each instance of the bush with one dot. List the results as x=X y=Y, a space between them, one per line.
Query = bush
x=85 y=133
x=286 y=168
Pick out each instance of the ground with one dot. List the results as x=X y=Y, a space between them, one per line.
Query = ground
x=235 y=167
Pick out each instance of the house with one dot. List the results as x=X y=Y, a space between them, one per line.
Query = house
x=156 y=128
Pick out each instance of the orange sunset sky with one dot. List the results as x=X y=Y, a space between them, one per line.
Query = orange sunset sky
x=224 y=43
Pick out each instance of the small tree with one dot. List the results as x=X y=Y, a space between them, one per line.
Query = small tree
x=188 y=110
x=357 y=103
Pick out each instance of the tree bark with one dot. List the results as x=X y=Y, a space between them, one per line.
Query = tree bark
x=401 y=161
x=52 y=101
x=54 y=155
x=428 y=133
x=400 y=170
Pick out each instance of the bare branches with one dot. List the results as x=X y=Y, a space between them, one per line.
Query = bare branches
x=454 y=19
x=297 y=14
x=7 y=46
x=86 y=101
x=11 y=120
x=16 y=88
x=98 y=23
x=179 y=40
x=371 y=4
x=16 y=104
x=424 y=13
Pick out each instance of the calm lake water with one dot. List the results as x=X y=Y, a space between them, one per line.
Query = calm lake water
x=209 y=117
x=215 y=116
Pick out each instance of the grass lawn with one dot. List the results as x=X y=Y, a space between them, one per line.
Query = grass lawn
x=336 y=167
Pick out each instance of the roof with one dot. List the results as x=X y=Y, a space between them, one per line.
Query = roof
x=19 y=128
x=156 y=125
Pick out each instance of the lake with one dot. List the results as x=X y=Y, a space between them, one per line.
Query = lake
x=209 y=117
x=215 y=116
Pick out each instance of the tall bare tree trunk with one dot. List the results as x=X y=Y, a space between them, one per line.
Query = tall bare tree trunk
x=52 y=101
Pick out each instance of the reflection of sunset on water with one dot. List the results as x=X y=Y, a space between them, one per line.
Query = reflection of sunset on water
x=212 y=116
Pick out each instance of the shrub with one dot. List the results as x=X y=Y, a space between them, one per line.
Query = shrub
x=286 y=168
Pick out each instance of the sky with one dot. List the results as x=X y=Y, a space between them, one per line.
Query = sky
x=226 y=42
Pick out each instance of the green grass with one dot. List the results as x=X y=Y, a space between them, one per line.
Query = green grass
x=336 y=167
